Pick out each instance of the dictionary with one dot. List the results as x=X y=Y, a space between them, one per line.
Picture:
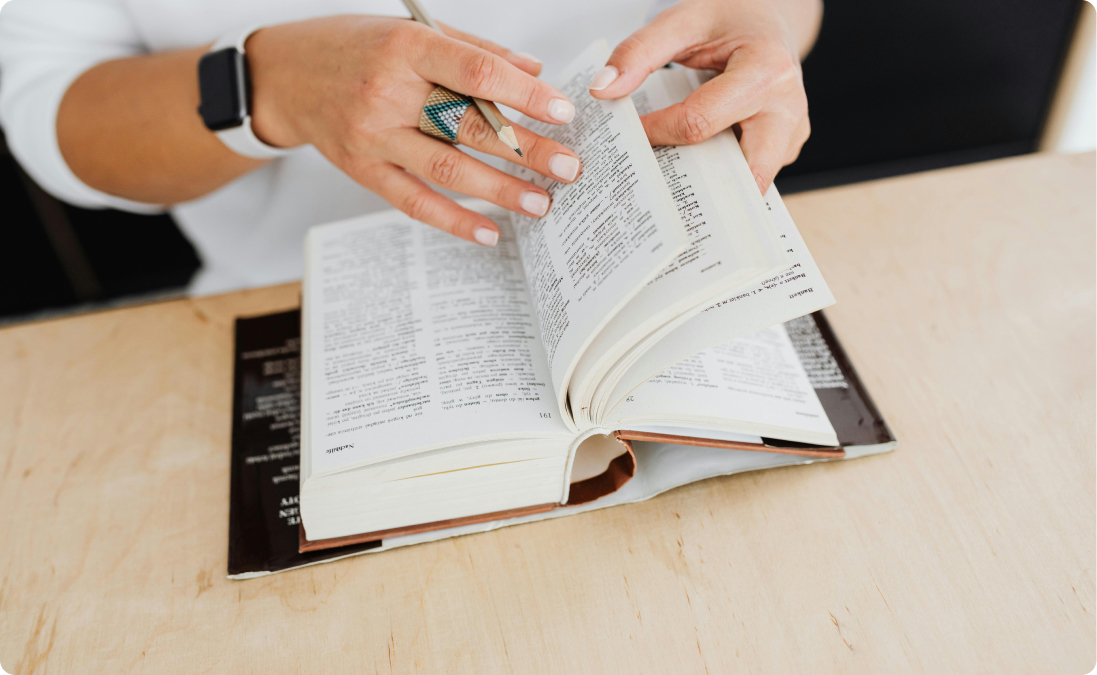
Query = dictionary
x=265 y=534
x=446 y=384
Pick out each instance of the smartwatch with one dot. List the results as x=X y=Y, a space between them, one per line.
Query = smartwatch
x=225 y=88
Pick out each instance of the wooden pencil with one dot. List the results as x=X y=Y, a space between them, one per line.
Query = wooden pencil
x=500 y=124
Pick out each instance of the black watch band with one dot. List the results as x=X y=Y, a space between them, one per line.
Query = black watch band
x=224 y=82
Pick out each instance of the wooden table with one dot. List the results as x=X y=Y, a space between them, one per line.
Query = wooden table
x=966 y=300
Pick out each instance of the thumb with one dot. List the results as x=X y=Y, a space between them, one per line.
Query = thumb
x=642 y=53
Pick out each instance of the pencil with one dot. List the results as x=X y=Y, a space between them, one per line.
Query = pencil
x=500 y=124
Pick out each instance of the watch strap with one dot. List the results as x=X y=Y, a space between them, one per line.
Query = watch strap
x=235 y=37
x=242 y=139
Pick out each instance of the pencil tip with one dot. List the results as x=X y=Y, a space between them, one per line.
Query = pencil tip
x=506 y=134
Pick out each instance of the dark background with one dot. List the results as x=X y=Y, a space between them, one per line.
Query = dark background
x=897 y=87
x=893 y=88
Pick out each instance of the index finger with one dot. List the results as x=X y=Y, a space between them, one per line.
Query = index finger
x=645 y=51
x=526 y=62
x=477 y=72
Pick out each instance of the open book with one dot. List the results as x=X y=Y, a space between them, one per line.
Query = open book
x=265 y=534
x=446 y=383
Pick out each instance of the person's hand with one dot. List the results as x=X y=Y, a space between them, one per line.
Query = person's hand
x=756 y=46
x=353 y=86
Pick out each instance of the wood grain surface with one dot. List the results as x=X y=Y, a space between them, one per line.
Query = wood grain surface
x=965 y=299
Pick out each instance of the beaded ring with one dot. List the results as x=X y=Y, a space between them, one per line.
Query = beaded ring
x=442 y=114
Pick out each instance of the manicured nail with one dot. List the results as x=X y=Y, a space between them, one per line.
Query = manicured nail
x=486 y=237
x=528 y=57
x=532 y=202
x=564 y=167
x=603 y=78
x=561 y=110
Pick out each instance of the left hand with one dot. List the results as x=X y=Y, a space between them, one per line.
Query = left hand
x=756 y=44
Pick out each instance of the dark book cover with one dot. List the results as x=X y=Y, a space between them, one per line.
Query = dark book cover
x=264 y=517
x=266 y=435
x=852 y=413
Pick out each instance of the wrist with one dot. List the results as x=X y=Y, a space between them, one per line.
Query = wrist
x=270 y=123
x=802 y=19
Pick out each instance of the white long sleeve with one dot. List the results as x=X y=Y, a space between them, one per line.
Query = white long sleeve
x=44 y=46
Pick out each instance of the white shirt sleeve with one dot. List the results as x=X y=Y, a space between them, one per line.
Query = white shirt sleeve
x=44 y=46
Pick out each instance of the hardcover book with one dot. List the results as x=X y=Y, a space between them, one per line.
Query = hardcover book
x=446 y=384
x=265 y=534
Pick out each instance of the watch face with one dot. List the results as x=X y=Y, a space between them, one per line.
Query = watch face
x=223 y=83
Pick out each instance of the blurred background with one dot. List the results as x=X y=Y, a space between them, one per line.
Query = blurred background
x=894 y=88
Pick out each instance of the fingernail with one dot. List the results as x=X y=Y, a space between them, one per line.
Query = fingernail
x=528 y=57
x=761 y=183
x=533 y=202
x=486 y=237
x=561 y=110
x=564 y=167
x=603 y=78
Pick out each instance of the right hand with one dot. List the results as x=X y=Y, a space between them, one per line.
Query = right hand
x=353 y=87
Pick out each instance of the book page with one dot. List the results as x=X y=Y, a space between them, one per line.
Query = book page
x=754 y=384
x=797 y=291
x=415 y=339
x=732 y=241
x=607 y=234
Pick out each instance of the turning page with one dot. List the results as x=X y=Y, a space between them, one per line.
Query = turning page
x=798 y=290
x=413 y=340
x=753 y=385
x=732 y=243
x=607 y=234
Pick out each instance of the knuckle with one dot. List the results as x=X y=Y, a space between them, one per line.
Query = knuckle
x=798 y=108
x=503 y=194
x=805 y=131
x=783 y=62
x=694 y=125
x=477 y=130
x=782 y=68
x=358 y=147
x=375 y=90
x=540 y=151
x=395 y=36
x=478 y=71
x=444 y=168
x=533 y=99
x=796 y=144
x=354 y=164
x=417 y=205
x=630 y=49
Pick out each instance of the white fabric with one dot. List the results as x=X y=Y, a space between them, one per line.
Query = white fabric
x=249 y=233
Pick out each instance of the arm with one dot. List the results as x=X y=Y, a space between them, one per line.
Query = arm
x=130 y=127
x=756 y=44
x=352 y=86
